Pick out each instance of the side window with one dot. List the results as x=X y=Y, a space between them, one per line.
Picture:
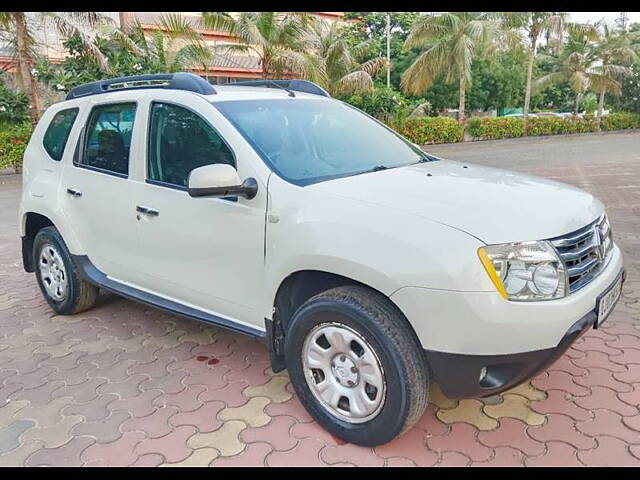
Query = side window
x=55 y=138
x=108 y=137
x=179 y=141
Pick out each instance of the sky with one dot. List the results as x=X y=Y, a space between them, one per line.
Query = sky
x=609 y=17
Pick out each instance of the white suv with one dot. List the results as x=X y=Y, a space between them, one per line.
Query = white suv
x=369 y=267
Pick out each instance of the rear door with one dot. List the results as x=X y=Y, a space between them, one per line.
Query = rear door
x=96 y=191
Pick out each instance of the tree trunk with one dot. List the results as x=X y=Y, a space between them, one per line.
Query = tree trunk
x=125 y=21
x=600 y=108
x=26 y=82
x=463 y=86
x=527 y=91
x=576 y=105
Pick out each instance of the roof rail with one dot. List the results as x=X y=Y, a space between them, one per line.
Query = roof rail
x=295 y=85
x=174 y=81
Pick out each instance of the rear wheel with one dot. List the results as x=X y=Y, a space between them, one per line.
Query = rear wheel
x=63 y=288
x=356 y=365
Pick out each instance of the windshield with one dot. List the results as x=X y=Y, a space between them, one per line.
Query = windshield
x=306 y=141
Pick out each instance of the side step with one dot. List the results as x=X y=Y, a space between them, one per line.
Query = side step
x=92 y=275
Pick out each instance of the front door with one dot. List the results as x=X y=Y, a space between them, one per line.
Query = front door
x=203 y=252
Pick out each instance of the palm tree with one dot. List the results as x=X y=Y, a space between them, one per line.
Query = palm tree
x=450 y=41
x=615 y=50
x=271 y=36
x=580 y=67
x=535 y=24
x=25 y=43
x=174 y=47
x=331 y=62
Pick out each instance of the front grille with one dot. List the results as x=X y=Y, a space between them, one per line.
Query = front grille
x=585 y=252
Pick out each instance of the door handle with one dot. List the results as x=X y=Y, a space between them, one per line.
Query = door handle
x=73 y=192
x=147 y=210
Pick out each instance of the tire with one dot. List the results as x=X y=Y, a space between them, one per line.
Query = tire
x=380 y=332
x=77 y=295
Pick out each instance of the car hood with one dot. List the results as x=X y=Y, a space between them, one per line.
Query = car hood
x=492 y=204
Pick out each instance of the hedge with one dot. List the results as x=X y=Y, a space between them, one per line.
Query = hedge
x=620 y=121
x=13 y=142
x=428 y=130
x=484 y=128
x=557 y=125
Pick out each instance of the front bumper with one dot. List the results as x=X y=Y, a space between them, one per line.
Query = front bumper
x=462 y=376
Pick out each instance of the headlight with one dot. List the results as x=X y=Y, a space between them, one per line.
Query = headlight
x=525 y=270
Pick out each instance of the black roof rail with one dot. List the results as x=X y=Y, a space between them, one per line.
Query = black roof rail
x=174 y=81
x=296 y=85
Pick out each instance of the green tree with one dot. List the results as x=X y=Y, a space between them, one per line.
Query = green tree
x=23 y=41
x=535 y=25
x=329 y=60
x=272 y=36
x=615 y=50
x=580 y=66
x=449 y=42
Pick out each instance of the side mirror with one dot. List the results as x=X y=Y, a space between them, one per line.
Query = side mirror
x=220 y=180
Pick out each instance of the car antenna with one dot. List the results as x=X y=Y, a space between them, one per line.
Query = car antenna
x=290 y=92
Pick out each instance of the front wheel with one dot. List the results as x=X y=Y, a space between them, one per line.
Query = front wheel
x=356 y=365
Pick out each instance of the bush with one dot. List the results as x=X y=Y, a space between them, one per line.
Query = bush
x=489 y=128
x=620 y=121
x=13 y=142
x=557 y=126
x=385 y=104
x=426 y=130
x=13 y=104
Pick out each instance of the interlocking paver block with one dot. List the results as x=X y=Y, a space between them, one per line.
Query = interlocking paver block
x=8 y=411
x=9 y=436
x=610 y=452
x=172 y=446
x=277 y=432
x=53 y=436
x=118 y=453
x=138 y=406
x=225 y=439
x=469 y=411
x=558 y=454
x=412 y=446
x=252 y=413
x=361 y=456
x=274 y=389
x=204 y=418
x=64 y=456
x=463 y=438
x=17 y=457
x=514 y=406
x=305 y=453
x=155 y=425
x=203 y=457
x=255 y=455
x=561 y=428
x=512 y=433
x=602 y=397
x=561 y=402
x=609 y=423
x=104 y=430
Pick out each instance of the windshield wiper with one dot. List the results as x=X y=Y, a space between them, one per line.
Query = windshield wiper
x=377 y=168
x=427 y=158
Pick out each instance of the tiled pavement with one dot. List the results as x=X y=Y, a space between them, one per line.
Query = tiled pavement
x=124 y=384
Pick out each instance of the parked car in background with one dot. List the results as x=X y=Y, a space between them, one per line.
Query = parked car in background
x=368 y=267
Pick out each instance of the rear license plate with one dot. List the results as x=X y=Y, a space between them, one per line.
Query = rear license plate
x=607 y=300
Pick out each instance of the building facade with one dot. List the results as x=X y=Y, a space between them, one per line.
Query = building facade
x=224 y=69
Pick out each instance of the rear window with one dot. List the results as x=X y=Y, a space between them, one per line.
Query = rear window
x=55 y=138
